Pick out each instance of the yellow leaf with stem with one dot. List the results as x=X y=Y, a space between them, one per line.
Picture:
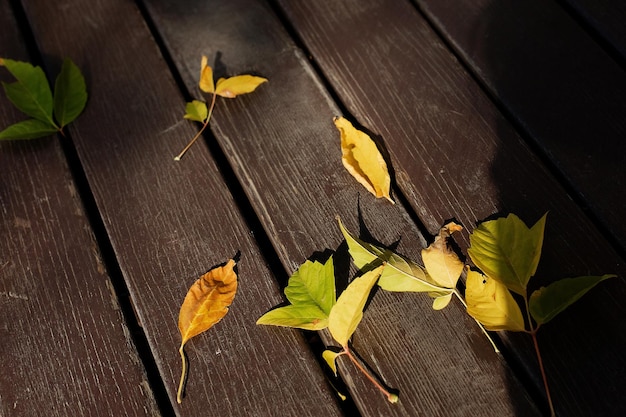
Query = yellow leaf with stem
x=206 y=303
x=363 y=160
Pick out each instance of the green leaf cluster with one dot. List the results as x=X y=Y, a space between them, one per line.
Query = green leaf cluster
x=32 y=95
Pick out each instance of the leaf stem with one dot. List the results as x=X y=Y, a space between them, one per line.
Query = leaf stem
x=183 y=375
x=493 y=343
x=391 y=397
x=204 y=126
x=543 y=374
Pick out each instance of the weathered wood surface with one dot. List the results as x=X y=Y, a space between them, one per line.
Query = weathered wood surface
x=285 y=150
x=455 y=155
x=65 y=349
x=170 y=222
x=559 y=85
x=270 y=184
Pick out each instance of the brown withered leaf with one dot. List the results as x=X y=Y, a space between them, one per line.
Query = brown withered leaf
x=363 y=160
x=206 y=303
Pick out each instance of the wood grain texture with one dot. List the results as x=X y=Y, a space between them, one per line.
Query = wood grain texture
x=169 y=222
x=285 y=151
x=65 y=347
x=454 y=155
x=562 y=87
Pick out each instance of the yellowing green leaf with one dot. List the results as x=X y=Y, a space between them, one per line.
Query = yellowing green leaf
x=31 y=92
x=240 y=84
x=301 y=316
x=400 y=274
x=491 y=303
x=346 y=315
x=547 y=302
x=205 y=304
x=442 y=264
x=507 y=250
x=206 y=76
x=70 y=93
x=311 y=292
x=196 y=111
x=363 y=160
x=442 y=301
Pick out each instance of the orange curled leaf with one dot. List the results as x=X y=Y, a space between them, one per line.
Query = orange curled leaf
x=206 y=303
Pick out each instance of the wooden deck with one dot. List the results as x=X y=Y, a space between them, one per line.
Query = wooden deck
x=484 y=107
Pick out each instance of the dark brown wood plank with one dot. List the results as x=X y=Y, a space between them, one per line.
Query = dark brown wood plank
x=606 y=18
x=455 y=156
x=169 y=221
x=65 y=347
x=562 y=87
x=285 y=151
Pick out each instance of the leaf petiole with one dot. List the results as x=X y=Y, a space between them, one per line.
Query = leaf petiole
x=391 y=397
x=183 y=375
x=204 y=126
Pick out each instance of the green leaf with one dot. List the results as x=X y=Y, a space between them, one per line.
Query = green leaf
x=491 y=303
x=507 y=250
x=31 y=92
x=313 y=283
x=547 y=302
x=346 y=315
x=311 y=292
x=70 y=93
x=331 y=359
x=400 y=274
x=28 y=129
x=196 y=111
x=302 y=316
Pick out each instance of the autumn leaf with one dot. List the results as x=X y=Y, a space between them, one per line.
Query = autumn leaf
x=231 y=87
x=235 y=86
x=491 y=303
x=363 y=160
x=346 y=315
x=400 y=275
x=546 y=302
x=311 y=292
x=507 y=250
x=206 y=83
x=205 y=305
x=441 y=262
x=330 y=356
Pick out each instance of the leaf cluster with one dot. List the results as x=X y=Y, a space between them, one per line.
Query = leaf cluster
x=32 y=95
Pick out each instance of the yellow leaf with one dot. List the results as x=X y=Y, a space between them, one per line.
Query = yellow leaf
x=240 y=84
x=206 y=76
x=442 y=263
x=347 y=313
x=363 y=160
x=206 y=304
x=491 y=303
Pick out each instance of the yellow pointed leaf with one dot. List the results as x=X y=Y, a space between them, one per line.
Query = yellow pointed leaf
x=206 y=303
x=491 y=303
x=206 y=76
x=442 y=263
x=363 y=160
x=347 y=313
x=240 y=84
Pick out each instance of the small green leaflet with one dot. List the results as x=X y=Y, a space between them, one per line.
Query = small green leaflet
x=32 y=95
x=196 y=111
x=547 y=302
x=311 y=292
